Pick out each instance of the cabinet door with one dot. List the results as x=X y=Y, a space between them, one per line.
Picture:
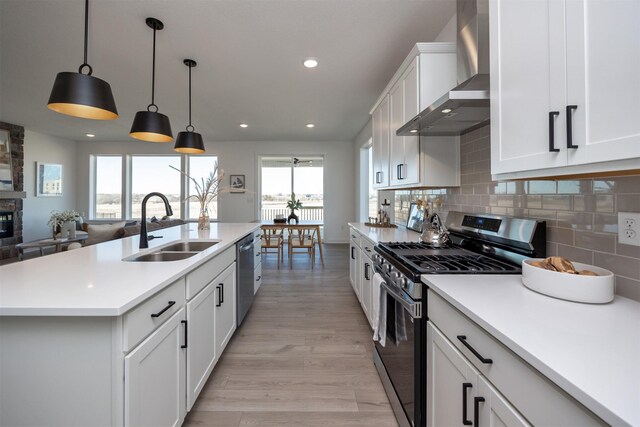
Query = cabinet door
x=527 y=84
x=495 y=410
x=225 y=318
x=154 y=377
x=451 y=382
x=365 y=280
x=396 y=146
x=380 y=155
x=603 y=77
x=410 y=109
x=353 y=263
x=257 y=278
x=201 y=352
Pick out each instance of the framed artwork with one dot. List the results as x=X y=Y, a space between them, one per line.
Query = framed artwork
x=237 y=183
x=48 y=180
x=415 y=220
x=6 y=172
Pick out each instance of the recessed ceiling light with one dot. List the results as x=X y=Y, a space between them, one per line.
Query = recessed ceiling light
x=310 y=63
x=447 y=110
x=90 y=135
x=310 y=125
x=414 y=131
x=244 y=125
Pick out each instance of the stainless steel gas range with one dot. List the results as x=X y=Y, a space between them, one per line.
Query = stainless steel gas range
x=480 y=244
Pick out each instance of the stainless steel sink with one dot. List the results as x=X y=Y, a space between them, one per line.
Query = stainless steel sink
x=188 y=246
x=162 y=256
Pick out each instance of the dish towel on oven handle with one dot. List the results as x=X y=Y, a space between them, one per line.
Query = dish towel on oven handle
x=380 y=322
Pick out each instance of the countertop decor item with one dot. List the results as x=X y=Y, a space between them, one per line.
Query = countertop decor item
x=383 y=225
x=206 y=190
x=571 y=287
x=151 y=125
x=189 y=142
x=293 y=204
x=82 y=95
x=60 y=219
x=415 y=220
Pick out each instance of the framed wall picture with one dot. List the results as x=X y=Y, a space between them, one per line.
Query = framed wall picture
x=237 y=184
x=48 y=180
x=6 y=172
x=415 y=220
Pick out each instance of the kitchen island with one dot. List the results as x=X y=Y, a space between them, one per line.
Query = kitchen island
x=589 y=351
x=90 y=339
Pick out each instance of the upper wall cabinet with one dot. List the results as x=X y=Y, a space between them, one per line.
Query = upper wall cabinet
x=426 y=74
x=565 y=87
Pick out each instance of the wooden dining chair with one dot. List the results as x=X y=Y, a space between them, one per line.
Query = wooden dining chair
x=272 y=238
x=303 y=240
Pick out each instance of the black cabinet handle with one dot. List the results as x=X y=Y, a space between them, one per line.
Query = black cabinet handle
x=570 y=109
x=158 y=314
x=258 y=254
x=258 y=279
x=184 y=322
x=465 y=421
x=366 y=271
x=352 y=255
x=221 y=293
x=476 y=410
x=378 y=177
x=219 y=303
x=552 y=131
x=463 y=340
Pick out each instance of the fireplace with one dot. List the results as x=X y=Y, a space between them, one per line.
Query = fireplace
x=6 y=224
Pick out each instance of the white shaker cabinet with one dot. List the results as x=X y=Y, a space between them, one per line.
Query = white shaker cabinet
x=225 y=318
x=380 y=136
x=564 y=87
x=154 y=377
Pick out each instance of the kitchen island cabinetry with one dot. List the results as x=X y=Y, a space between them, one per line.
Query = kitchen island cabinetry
x=124 y=343
x=569 y=105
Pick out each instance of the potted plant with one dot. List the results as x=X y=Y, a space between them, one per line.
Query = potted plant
x=64 y=223
x=206 y=191
x=293 y=204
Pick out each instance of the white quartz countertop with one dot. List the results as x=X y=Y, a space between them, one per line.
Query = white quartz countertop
x=94 y=281
x=592 y=351
x=382 y=234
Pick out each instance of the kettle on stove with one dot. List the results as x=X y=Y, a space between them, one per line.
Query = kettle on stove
x=434 y=232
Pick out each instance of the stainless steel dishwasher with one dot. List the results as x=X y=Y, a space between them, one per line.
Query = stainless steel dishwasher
x=244 y=264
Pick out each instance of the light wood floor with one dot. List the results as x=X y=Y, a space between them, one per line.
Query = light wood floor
x=302 y=357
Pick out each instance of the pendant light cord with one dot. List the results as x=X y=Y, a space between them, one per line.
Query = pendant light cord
x=190 y=100
x=86 y=39
x=153 y=73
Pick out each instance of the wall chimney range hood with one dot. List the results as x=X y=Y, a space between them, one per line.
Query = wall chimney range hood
x=465 y=107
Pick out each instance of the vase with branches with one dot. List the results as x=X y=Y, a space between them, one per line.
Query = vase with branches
x=207 y=190
x=293 y=204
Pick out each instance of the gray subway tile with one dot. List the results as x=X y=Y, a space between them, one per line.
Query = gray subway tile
x=552 y=249
x=560 y=235
x=627 y=250
x=603 y=242
x=605 y=202
x=576 y=254
x=575 y=220
x=620 y=265
x=542 y=187
x=532 y=201
x=627 y=184
x=605 y=223
x=628 y=202
x=628 y=288
x=560 y=203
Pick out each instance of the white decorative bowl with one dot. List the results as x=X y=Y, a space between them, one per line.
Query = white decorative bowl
x=571 y=287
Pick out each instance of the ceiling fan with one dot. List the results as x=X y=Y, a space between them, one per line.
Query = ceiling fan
x=297 y=161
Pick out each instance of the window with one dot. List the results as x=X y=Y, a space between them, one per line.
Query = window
x=372 y=194
x=113 y=199
x=280 y=176
x=108 y=194
x=152 y=173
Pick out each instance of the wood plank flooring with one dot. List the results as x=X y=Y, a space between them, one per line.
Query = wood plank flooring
x=302 y=357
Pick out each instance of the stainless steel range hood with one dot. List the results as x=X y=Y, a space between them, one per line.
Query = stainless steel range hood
x=465 y=107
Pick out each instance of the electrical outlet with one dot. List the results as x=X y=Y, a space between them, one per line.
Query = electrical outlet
x=629 y=228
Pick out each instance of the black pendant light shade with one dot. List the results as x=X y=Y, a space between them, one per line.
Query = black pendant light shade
x=82 y=95
x=189 y=142
x=151 y=125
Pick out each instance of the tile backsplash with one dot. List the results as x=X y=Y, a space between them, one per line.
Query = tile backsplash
x=581 y=214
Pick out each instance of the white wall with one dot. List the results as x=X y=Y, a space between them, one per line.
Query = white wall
x=241 y=158
x=37 y=210
x=360 y=175
x=448 y=33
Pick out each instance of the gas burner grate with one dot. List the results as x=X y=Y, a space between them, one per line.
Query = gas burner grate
x=460 y=264
x=409 y=245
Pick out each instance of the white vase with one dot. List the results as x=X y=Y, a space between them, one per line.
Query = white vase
x=68 y=229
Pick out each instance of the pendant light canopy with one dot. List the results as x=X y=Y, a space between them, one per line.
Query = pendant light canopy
x=189 y=142
x=82 y=95
x=151 y=125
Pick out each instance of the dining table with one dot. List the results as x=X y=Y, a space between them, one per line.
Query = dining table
x=304 y=224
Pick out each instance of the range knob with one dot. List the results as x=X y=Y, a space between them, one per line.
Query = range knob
x=389 y=267
x=394 y=276
x=377 y=258
x=402 y=282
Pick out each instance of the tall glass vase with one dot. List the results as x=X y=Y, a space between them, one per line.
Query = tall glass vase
x=203 y=219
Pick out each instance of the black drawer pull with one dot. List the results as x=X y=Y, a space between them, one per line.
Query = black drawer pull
x=352 y=253
x=219 y=303
x=184 y=322
x=570 y=109
x=366 y=271
x=465 y=421
x=552 y=131
x=258 y=279
x=158 y=314
x=221 y=293
x=476 y=410
x=463 y=340
x=258 y=254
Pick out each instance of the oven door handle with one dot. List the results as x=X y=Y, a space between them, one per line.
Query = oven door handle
x=414 y=308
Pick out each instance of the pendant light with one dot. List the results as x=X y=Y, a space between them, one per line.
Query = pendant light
x=189 y=142
x=82 y=95
x=150 y=125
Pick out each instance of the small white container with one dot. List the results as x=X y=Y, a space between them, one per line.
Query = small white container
x=571 y=287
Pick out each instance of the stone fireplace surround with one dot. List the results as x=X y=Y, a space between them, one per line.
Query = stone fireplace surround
x=14 y=200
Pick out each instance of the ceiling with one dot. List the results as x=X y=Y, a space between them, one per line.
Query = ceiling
x=249 y=55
